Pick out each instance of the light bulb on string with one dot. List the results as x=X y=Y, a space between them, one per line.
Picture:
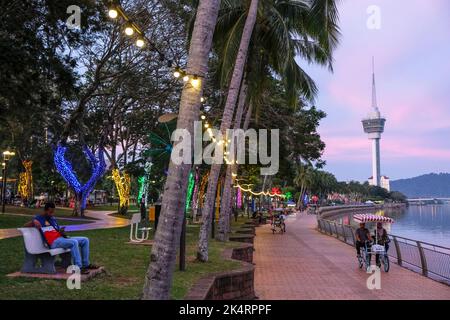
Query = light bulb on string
x=203 y=117
x=202 y=99
x=176 y=74
x=140 y=43
x=186 y=78
x=195 y=82
x=129 y=30
x=112 y=13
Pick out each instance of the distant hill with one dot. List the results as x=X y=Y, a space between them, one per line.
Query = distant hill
x=428 y=185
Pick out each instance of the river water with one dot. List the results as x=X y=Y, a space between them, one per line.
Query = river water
x=428 y=223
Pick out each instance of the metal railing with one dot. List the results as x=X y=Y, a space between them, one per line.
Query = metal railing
x=430 y=260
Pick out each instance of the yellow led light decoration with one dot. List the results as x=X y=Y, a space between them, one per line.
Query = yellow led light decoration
x=26 y=181
x=203 y=185
x=123 y=185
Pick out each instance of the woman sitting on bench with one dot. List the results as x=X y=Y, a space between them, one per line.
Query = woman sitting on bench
x=54 y=236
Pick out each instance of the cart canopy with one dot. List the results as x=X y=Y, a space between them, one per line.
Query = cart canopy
x=372 y=218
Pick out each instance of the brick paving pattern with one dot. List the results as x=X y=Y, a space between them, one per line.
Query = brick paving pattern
x=304 y=264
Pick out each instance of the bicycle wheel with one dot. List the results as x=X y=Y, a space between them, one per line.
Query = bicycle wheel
x=386 y=263
x=360 y=261
x=367 y=262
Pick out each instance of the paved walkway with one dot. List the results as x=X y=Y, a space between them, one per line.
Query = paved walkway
x=104 y=221
x=304 y=264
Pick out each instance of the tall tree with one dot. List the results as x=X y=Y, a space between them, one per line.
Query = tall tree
x=233 y=92
x=163 y=256
x=284 y=30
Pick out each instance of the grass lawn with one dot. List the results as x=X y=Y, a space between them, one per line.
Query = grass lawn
x=13 y=221
x=126 y=266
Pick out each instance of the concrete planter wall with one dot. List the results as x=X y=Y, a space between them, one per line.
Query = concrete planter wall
x=230 y=285
x=239 y=237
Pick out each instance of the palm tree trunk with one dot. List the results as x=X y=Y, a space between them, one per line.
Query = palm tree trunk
x=159 y=275
x=248 y=117
x=227 y=117
x=300 y=198
x=225 y=209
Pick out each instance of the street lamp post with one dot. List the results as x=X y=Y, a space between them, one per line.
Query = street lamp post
x=3 y=182
x=7 y=155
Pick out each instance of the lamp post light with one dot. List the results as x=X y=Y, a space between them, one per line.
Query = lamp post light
x=7 y=155
x=3 y=182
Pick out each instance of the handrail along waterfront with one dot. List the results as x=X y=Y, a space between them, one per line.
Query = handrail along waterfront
x=429 y=259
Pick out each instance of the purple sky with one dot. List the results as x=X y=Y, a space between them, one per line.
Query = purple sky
x=412 y=62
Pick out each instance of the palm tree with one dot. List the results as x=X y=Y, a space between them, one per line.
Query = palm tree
x=283 y=30
x=233 y=92
x=303 y=179
x=158 y=279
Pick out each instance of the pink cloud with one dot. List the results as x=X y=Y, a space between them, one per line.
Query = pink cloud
x=345 y=148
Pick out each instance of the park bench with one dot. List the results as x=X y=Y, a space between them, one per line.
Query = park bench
x=36 y=251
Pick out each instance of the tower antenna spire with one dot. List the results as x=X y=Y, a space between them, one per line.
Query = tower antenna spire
x=374 y=88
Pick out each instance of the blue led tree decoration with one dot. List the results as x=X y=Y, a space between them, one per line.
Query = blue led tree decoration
x=64 y=167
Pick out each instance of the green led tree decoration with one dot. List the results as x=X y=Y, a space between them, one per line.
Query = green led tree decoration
x=190 y=190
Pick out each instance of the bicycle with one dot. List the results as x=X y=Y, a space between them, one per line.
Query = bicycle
x=377 y=249
x=278 y=226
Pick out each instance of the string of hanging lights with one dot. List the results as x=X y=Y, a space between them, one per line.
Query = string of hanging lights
x=131 y=29
x=262 y=193
x=225 y=142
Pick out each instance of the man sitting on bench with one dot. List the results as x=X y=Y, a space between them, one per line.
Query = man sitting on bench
x=55 y=237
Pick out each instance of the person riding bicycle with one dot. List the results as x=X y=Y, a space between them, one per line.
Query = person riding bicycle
x=382 y=239
x=282 y=218
x=363 y=236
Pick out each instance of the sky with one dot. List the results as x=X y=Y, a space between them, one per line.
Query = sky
x=412 y=65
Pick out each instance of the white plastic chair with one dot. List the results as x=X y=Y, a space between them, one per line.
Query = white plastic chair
x=145 y=232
